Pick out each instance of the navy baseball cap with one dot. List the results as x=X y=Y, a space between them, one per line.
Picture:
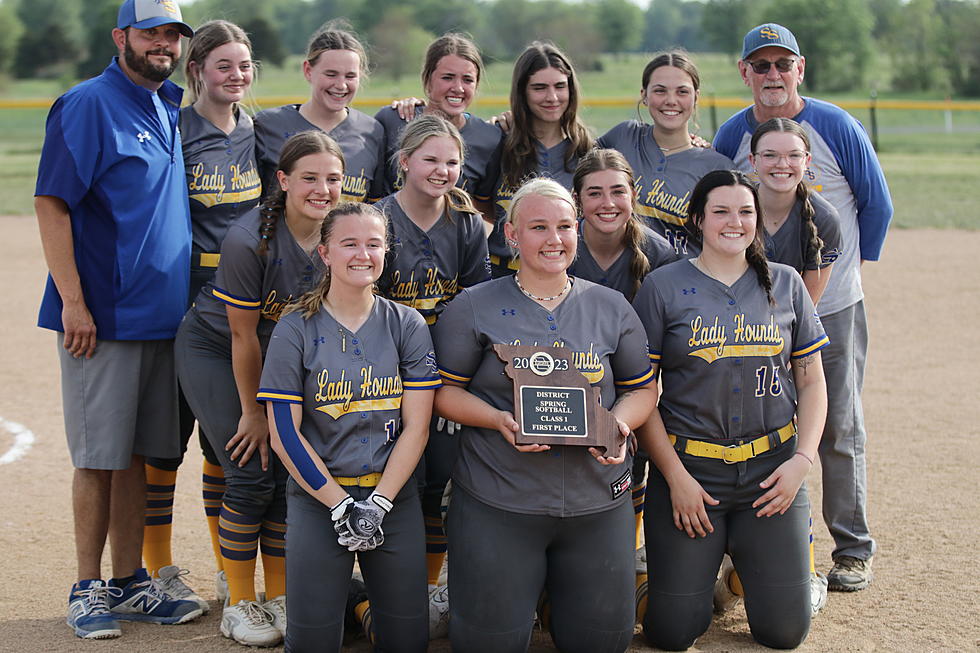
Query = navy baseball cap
x=144 y=14
x=766 y=35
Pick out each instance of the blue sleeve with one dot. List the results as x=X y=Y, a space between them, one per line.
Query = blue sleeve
x=859 y=163
x=729 y=135
x=72 y=152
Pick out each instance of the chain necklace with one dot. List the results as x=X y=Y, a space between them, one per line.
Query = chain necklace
x=527 y=293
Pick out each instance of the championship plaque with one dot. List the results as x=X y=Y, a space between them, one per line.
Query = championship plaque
x=553 y=402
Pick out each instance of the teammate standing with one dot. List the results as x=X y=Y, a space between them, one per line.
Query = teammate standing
x=439 y=247
x=113 y=218
x=846 y=172
x=727 y=328
x=222 y=184
x=530 y=518
x=348 y=385
x=664 y=161
x=335 y=64
x=267 y=259
x=451 y=74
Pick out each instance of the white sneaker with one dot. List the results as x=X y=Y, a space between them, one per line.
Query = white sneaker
x=724 y=598
x=439 y=612
x=170 y=581
x=249 y=623
x=221 y=587
x=277 y=608
x=818 y=591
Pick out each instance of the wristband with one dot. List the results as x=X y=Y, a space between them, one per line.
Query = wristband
x=800 y=453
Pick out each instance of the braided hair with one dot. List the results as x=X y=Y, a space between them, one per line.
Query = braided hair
x=608 y=159
x=274 y=203
x=755 y=254
x=814 y=244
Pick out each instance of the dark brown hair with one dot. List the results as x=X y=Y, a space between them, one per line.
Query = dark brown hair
x=451 y=43
x=676 y=59
x=212 y=34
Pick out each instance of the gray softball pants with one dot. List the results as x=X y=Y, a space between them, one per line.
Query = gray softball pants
x=771 y=555
x=501 y=561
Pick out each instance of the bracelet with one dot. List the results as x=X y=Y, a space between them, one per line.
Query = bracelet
x=800 y=453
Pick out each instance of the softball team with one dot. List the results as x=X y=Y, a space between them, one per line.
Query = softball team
x=335 y=64
x=664 y=160
x=737 y=427
x=530 y=518
x=222 y=184
x=352 y=372
x=348 y=384
x=267 y=259
x=545 y=136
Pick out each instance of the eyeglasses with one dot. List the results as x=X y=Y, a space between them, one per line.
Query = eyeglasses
x=762 y=67
x=796 y=157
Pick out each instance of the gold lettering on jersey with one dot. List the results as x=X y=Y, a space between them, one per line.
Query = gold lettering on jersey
x=244 y=179
x=213 y=181
x=436 y=286
x=339 y=392
x=379 y=386
x=355 y=187
x=403 y=291
x=659 y=204
x=272 y=307
x=710 y=343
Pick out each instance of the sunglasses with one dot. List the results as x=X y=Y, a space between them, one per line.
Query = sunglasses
x=762 y=67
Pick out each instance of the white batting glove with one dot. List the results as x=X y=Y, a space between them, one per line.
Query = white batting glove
x=366 y=517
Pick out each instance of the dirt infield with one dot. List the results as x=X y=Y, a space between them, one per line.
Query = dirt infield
x=923 y=305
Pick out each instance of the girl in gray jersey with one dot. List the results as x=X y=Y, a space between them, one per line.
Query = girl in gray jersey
x=267 y=259
x=438 y=248
x=334 y=66
x=545 y=137
x=451 y=74
x=528 y=518
x=218 y=144
x=348 y=387
x=802 y=229
x=737 y=427
x=664 y=161
x=617 y=250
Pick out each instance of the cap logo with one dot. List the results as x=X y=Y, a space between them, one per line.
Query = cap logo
x=769 y=33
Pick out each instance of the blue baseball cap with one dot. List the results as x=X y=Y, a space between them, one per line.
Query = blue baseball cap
x=767 y=35
x=144 y=14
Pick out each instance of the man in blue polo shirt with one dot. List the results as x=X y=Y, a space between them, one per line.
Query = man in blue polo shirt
x=846 y=172
x=114 y=222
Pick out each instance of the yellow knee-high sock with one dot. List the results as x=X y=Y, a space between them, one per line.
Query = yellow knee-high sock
x=735 y=584
x=239 y=536
x=639 y=493
x=363 y=613
x=274 y=558
x=642 y=589
x=158 y=523
x=213 y=492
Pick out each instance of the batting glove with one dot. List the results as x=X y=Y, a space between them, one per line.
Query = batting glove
x=340 y=514
x=366 y=517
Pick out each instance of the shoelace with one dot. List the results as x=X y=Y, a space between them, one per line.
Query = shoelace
x=174 y=585
x=256 y=615
x=96 y=598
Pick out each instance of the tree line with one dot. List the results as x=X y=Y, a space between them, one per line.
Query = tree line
x=901 y=45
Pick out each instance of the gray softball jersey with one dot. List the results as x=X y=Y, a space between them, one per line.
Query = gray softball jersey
x=248 y=280
x=222 y=177
x=350 y=383
x=551 y=164
x=359 y=136
x=724 y=352
x=663 y=183
x=428 y=268
x=618 y=276
x=608 y=342
x=480 y=161
x=789 y=245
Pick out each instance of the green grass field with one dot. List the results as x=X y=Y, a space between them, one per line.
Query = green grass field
x=931 y=172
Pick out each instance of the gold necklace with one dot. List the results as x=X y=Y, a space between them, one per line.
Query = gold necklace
x=528 y=294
